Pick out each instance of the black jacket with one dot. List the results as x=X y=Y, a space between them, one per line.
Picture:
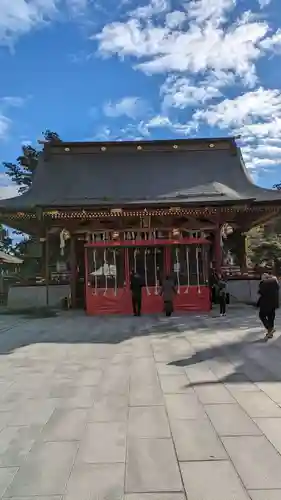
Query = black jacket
x=136 y=284
x=269 y=294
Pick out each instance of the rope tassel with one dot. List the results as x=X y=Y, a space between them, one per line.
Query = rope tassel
x=105 y=270
x=155 y=272
x=145 y=272
x=187 y=269
x=197 y=269
x=115 y=272
x=95 y=271
x=178 y=269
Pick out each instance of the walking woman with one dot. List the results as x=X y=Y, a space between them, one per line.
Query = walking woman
x=168 y=292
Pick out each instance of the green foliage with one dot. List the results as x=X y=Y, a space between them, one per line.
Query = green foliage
x=264 y=246
x=21 y=172
x=264 y=243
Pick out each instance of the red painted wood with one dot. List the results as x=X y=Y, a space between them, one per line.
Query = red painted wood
x=188 y=300
x=193 y=298
x=108 y=303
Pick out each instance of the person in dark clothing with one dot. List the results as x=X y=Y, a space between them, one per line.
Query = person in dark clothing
x=222 y=295
x=136 y=284
x=268 y=302
x=212 y=287
x=168 y=292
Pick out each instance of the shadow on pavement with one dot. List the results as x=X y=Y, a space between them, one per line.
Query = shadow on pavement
x=251 y=358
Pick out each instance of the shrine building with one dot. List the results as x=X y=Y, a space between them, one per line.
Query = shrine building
x=160 y=207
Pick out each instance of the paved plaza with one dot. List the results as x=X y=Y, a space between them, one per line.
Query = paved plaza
x=139 y=408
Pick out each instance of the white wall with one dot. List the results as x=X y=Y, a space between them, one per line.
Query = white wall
x=243 y=290
x=35 y=296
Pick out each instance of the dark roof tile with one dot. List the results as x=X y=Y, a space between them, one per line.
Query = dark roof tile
x=135 y=177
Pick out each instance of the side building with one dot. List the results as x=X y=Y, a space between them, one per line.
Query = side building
x=158 y=207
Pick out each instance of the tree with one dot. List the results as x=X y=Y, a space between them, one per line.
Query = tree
x=264 y=246
x=277 y=186
x=22 y=171
x=6 y=243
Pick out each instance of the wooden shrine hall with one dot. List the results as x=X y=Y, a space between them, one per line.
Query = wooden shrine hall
x=159 y=207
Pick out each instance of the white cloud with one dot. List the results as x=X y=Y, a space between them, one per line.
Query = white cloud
x=219 y=79
x=175 y=19
x=131 y=131
x=7 y=188
x=264 y=3
x=159 y=121
x=209 y=10
x=131 y=107
x=272 y=43
x=103 y=134
x=4 y=126
x=202 y=51
x=18 y=17
x=130 y=39
x=269 y=130
x=243 y=110
x=153 y=8
x=201 y=39
x=254 y=116
x=77 y=6
x=12 y=101
x=266 y=150
x=6 y=103
x=162 y=121
x=198 y=49
x=180 y=92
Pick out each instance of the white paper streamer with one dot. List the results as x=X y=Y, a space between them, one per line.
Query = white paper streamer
x=105 y=271
x=187 y=269
x=178 y=269
x=145 y=272
x=155 y=272
x=115 y=274
x=197 y=270
x=62 y=243
x=95 y=271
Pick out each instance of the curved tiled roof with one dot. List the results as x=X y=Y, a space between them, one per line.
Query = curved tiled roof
x=190 y=176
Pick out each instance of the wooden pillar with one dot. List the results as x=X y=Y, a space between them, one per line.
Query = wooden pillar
x=47 y=256
x=73 y=272
x=218 y=249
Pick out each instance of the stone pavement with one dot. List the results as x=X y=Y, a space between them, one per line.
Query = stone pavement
x=139 y=408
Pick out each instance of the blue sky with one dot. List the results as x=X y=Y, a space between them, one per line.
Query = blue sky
x=107 y=70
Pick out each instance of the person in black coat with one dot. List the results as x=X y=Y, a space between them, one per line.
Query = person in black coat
x=268 y=302
x=136 y=284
